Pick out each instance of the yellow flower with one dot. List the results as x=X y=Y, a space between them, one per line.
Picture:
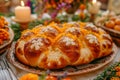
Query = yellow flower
x=29 y=76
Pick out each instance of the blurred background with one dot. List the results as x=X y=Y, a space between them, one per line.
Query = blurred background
x=9 y=5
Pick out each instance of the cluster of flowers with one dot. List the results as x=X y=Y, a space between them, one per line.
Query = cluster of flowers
x=4 y=35
x=46 y=76
x=56 y=6
x=117 y=74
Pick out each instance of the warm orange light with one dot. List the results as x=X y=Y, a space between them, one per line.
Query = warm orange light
x=93 y=1
x=22 y=3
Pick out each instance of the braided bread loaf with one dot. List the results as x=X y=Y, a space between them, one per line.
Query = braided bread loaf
x=58 y=45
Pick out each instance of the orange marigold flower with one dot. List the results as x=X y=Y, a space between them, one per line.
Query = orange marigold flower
x=4 y=35
x=50 y=78
x=3 y=23
x=29 y=76
x=115 y=78
x=67 y=78
x=82 y=7
x=117 y=68
x=118 y=73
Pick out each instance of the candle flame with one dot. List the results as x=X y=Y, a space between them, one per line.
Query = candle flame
x=22 y=3
x=93 y=1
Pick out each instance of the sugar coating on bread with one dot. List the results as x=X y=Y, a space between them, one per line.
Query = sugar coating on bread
x=56 y=46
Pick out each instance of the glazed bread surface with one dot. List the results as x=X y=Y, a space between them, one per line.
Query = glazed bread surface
x=56 y=46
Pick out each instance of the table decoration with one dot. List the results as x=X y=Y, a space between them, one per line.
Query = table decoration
x=94 y=9
x=23 y=16
x=7 y=15
x=111 y=23
x=29 y=76
x=17 y=31
x=22 y=12
x=6 y=35
x=110 y=73
x=23 y=24
x=54 y=8
x=44 y=76
x=7 y=44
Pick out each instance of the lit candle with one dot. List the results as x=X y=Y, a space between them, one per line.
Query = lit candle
x=94 y=7
x=94 y=1
x=22 y=12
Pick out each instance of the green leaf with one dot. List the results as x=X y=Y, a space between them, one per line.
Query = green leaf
x=35 y=23
x=7 y=15
x=76 y=17
x=108 y=73
x=17 y=31
x=43 y=76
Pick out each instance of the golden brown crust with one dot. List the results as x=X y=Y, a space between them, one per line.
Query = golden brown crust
x=20 y=54
x=54 y=47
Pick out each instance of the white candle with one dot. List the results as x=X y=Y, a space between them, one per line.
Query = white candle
x=94 y=7
x=22 y=12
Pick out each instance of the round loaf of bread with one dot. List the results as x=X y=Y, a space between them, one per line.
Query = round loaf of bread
x=55 y=46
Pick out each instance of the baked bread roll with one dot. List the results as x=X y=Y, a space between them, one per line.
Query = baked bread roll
x=58 y=45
